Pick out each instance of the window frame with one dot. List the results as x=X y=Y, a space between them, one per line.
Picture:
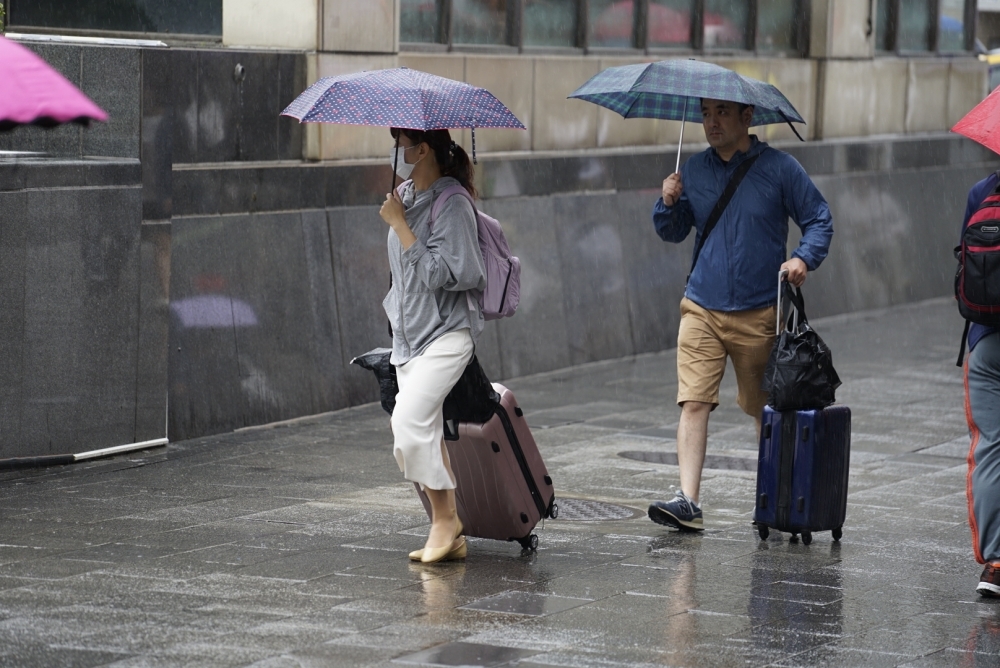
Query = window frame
x=167 y=37
x=640 y=34
x=933 y=30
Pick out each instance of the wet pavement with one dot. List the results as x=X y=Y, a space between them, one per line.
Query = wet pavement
x=286 y=545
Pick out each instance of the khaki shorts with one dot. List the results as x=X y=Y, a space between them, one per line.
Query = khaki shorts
x=704 y=341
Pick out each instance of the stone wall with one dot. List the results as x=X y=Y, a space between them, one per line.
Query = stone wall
x=83 y=362
x=597 y=282
x=185 y=249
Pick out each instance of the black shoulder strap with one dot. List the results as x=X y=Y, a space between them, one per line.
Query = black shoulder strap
x=721 y=204
x=965 y=337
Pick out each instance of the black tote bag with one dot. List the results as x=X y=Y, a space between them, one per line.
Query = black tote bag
x=800 y=373
x=473 y=398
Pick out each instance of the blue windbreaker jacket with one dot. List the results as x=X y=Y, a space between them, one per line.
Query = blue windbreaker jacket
x=738 y=266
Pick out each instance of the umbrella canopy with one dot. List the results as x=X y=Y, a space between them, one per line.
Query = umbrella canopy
x=400 y=98
x=673 y=89
x=32 y=93
x=982 y=124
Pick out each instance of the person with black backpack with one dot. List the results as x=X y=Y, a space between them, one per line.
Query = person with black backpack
x=977 y=289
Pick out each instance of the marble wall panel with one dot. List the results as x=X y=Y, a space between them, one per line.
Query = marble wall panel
x=80 y=319
x=254 y=308
x=291 y=82
x=218 y=110
x=360 y=26
x=111 y=77
x=968 y=84
x=361 y=278
x=511 y=80
x=290 y=362
x=595 y=289
x=13 y=235
x=927 y=95
x=559 y=123
x=205 y=394
x=797 y=79
x=258 y=106
x=153 y=332
x=853 y=275
x=195 y=191
x=326 y=350
x=184 y=93
x=655 y=271
x=535 y=339
x=157 y=134
x=887 y=107
x=892 y=243
x=844 y=99
x=291 y=24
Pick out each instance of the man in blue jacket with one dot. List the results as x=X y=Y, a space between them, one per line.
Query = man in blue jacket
x=729 y=305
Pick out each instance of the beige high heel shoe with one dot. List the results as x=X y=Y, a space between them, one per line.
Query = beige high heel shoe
x=459 y=550
x=433 y=554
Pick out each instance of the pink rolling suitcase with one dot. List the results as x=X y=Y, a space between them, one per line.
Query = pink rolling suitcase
x=504 y=489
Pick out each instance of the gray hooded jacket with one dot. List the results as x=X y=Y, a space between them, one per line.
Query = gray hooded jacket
x=432 y=279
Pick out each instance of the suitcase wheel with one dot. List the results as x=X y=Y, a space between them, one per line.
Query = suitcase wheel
x=529 y=542
x=763 y=531
x=807 y=537
x=837 y=533
x=554 y=511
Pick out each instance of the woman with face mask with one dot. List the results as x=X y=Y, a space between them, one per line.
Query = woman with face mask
x=435 y=320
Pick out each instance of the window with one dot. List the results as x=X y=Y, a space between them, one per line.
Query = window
x=726 y=23
x=550 y=22
x=907 y=26
x=479 y=21
x=771 y=26
x=669 y=23
x=776 y=26
x=192 y=17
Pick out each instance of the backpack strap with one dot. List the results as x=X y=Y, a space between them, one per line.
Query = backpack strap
x=965 y=337
x=721 y=204
x=444 y=197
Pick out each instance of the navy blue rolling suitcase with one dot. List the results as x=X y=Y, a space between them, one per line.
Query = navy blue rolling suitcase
x=802 y=471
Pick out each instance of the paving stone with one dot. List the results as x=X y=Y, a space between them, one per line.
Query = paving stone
x=286 y=546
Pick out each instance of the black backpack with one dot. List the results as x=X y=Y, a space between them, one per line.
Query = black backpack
x=977 y=280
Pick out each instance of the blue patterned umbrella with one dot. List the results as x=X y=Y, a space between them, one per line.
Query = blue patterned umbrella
x=673 y=89
x=400 y=98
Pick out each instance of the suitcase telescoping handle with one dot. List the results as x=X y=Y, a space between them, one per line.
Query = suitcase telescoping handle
x=782 y=275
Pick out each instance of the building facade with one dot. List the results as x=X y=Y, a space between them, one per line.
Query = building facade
x=200 y=262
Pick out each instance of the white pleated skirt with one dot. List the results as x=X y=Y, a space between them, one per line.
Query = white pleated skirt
x=417 y=423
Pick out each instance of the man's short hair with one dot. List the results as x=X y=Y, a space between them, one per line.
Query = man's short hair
x=740 y=104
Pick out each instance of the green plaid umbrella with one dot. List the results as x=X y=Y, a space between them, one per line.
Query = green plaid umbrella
x=673 y=89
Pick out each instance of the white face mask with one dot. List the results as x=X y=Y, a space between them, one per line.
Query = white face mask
x=397 y=157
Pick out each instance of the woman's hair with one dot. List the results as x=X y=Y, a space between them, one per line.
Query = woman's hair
x=451 y=158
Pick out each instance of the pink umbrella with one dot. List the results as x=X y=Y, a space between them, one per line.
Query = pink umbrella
x=32 y=93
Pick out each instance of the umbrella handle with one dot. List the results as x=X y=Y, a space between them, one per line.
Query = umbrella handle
x=680 y=143
x=395 y=163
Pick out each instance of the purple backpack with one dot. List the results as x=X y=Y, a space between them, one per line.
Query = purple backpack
x=503 y=270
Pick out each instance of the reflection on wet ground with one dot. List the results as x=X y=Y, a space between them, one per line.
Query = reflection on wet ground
x=286 y=546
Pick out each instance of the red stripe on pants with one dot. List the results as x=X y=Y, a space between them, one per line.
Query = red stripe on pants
x=974 y=433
